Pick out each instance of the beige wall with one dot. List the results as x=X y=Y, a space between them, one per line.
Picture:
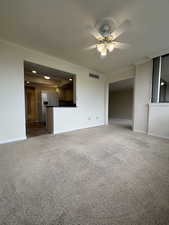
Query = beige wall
x=142 y=95
x=150 y=118
x=158 y=124
x=90 y=103
x=92 y=106
x=121 y=104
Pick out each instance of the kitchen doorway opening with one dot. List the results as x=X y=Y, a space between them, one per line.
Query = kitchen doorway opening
x=45 y=88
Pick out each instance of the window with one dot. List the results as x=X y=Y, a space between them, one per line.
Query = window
x=160 y=85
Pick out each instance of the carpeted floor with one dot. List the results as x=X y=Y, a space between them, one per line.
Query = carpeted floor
x=100 y=176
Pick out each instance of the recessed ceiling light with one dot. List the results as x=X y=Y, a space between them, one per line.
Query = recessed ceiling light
x=47 y=78
x=34 y=71
x=27 y=82
x=70 y=79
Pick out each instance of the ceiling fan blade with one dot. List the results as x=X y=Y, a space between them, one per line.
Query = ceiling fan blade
x=95 y=33
x=120 y=45
x=121 y=29
x=90 y=47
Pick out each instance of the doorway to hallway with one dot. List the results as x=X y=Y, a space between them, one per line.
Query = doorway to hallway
x=121 y=97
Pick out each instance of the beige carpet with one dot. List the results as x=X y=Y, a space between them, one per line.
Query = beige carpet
x=98 y=176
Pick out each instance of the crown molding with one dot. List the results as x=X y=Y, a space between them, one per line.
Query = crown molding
x=71 y=64
x=142 y=61
x=151 y=56
x=159 y=53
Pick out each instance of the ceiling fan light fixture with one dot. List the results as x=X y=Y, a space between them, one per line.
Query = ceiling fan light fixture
x=100 y=47
x=110 y=47
x=103 y=52
x=106 y=32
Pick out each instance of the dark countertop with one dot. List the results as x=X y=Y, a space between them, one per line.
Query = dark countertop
x=64 y=106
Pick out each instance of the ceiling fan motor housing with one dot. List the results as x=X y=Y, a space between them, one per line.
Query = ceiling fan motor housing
x=105 y=30
x=106 y=26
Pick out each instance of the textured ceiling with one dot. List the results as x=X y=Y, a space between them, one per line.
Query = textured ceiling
x=44 y=70
x=57 y=78
x=59 y=28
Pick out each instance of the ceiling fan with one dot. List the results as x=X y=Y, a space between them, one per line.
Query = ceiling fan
x=106 y=32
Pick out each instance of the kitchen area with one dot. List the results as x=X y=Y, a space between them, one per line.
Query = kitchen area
x=45 y=88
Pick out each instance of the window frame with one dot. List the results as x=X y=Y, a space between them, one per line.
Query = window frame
x=156 y=80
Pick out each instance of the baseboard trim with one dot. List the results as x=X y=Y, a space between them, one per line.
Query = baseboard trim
x=159 y=136
x=140 y=131
x=79 y=128
x=13 y=140
x=151 y=134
